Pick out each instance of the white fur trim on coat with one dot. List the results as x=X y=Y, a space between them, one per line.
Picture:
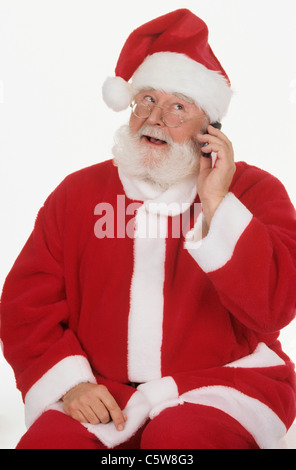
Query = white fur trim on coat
x=58 y=380
x=228 y=224
x=146 y=297
x=146 y=300
x=137 y=412
x=263 y=356
x=158 y=391
x=258 y=419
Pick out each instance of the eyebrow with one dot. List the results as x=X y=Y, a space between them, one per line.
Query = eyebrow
x=181 y=96
x=184 y=97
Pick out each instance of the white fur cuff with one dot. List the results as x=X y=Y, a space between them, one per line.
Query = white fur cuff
x=228 y=224
x=159 y=390
x=58 y=380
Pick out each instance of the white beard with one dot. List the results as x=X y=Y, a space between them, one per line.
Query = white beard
x=164 y=166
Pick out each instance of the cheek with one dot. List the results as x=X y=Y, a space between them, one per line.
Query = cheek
x=187 y=131
x=135 y=124
x=182 y=134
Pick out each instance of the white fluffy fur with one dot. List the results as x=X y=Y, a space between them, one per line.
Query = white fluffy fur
x=137 y=412
x=216 y=249
x=173 y=72
x=160 y=390
x=117 y=93
x=162 y=167
x=258 y=419
x=146 y=299
x=64 y=375
x=263 y=356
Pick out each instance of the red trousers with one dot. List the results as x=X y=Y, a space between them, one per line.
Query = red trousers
x=182 y=427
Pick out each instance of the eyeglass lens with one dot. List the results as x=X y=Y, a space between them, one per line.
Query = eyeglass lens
x=143 y=111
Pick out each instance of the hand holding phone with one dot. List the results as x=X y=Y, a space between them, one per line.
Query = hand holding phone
x=217 y=125
x=214 y=180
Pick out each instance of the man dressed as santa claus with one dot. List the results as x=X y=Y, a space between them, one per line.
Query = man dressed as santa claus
x=144 y=310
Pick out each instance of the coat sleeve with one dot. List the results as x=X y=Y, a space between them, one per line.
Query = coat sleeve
x=43 y=351
x=249 y=253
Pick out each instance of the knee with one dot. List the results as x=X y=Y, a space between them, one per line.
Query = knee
x=55 y=430
x=169 y=430
x=195 y=427
x=37 y=435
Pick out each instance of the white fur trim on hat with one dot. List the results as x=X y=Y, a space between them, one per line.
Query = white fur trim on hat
x=173 y=73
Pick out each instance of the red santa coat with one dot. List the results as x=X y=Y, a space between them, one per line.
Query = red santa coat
x=191 y=321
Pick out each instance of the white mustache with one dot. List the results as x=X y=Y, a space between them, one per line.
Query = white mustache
x=155 y=133
x=180 y=161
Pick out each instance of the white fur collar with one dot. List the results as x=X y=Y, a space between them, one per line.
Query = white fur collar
x=173 y=201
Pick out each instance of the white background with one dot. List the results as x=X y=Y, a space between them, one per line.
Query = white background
x=54 y=57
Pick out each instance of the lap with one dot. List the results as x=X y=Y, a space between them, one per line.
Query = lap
x=56 y=430
x=186 y=426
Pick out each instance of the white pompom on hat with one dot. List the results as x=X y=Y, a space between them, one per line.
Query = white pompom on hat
x=117 y=93
x=172 y=54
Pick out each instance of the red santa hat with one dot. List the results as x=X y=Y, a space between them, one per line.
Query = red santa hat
x=170 y=53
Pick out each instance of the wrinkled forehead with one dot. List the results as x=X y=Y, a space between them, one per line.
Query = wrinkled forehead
x=176 y=94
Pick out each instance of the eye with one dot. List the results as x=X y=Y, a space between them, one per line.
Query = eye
x=179 y=107
x=149 y=99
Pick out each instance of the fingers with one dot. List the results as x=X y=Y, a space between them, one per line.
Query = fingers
x=205 y=163
x=113 y=409
x=216 y=142
x=78 y=416
x=214 y=180
x=94 y=404
x=213 y=131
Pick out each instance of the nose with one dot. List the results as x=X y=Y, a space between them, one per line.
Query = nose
x=155 y=118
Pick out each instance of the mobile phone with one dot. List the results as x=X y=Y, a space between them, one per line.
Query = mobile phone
x=217 y=125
